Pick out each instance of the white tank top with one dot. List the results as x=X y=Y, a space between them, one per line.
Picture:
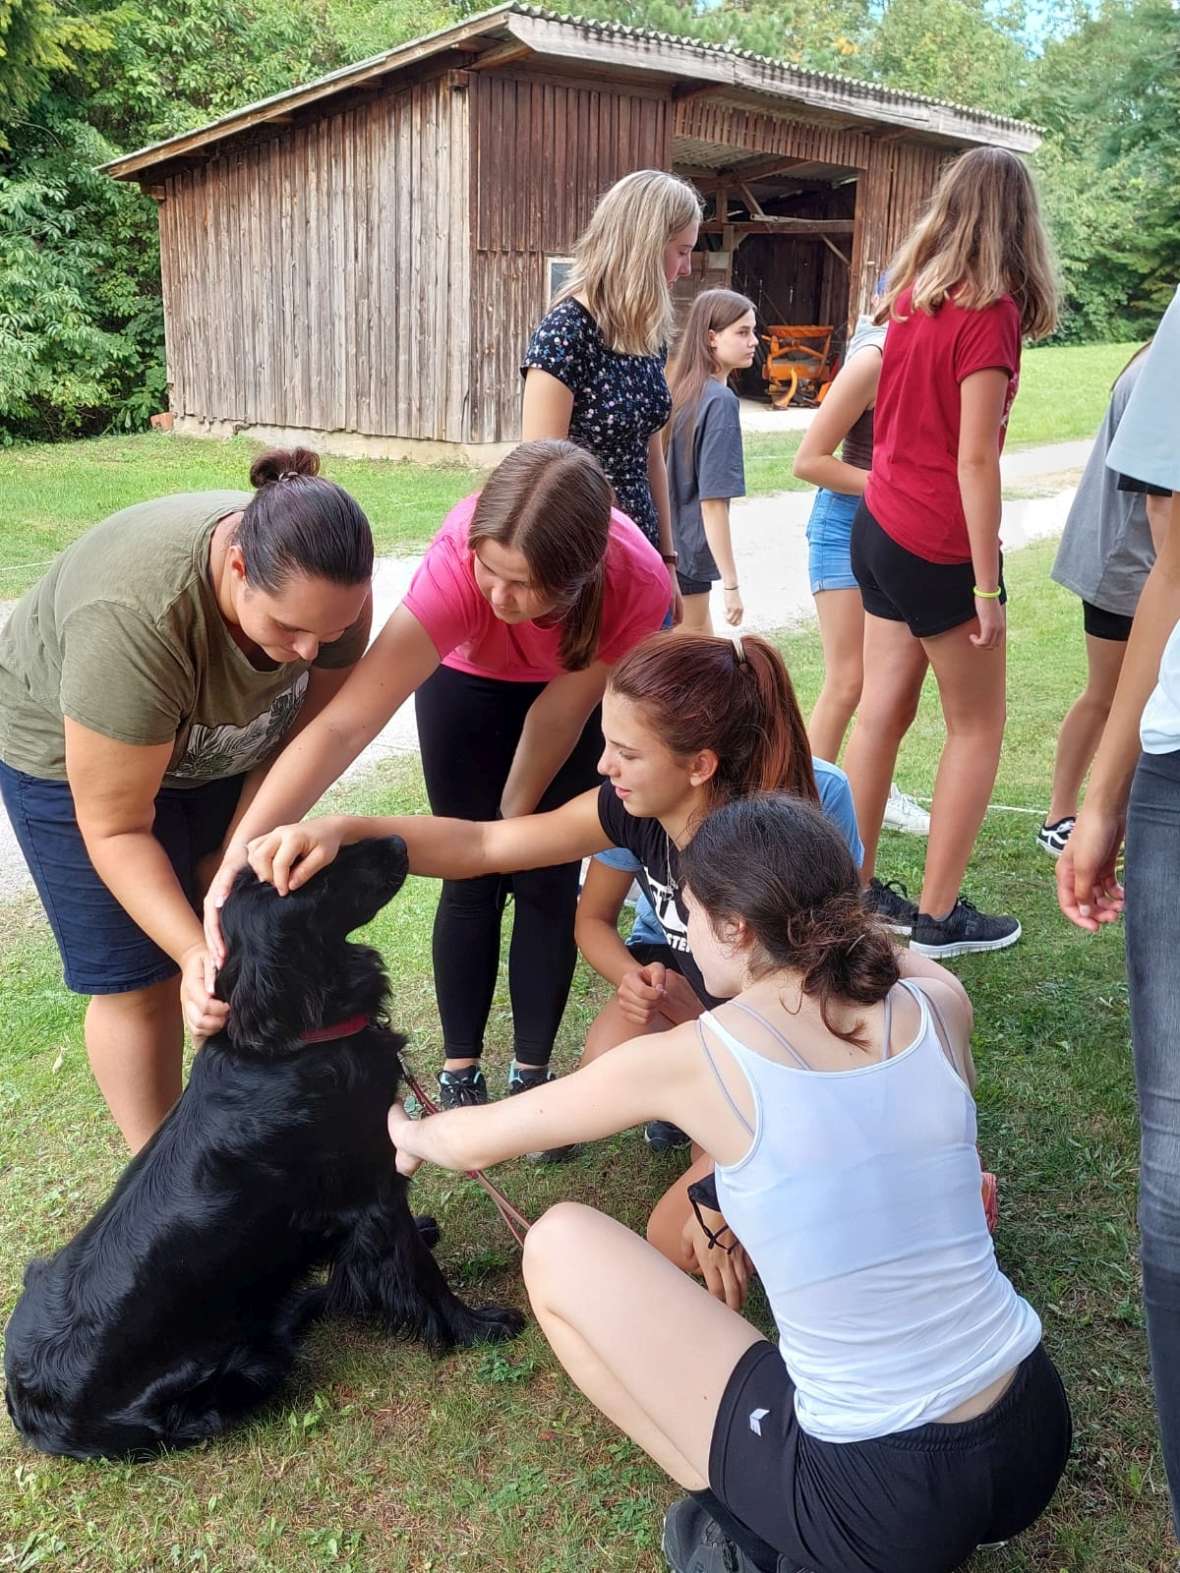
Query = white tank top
x=859 y=1204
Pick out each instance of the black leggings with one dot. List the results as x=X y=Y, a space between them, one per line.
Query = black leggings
x=468 y=729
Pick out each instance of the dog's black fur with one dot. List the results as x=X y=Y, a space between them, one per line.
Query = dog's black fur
x=179 y=1308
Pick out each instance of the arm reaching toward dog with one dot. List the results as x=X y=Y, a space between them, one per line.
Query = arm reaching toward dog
x=441 y=848
x=648 y=1078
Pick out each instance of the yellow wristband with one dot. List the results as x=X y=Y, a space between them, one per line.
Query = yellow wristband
x=987 y=595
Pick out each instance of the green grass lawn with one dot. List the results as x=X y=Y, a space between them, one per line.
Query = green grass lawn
x=54 y=491
x=385 y=1461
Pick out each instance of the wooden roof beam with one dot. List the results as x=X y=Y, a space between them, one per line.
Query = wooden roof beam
x=805 y=228
x=505 y=55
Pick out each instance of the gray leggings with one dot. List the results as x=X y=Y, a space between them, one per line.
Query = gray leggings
x=1153 y=939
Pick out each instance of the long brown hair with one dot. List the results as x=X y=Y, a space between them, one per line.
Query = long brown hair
x=693 y=362
x=731 y=696
x=618 y=262
x=782 y=868
x=550 y=501
x=980 y=238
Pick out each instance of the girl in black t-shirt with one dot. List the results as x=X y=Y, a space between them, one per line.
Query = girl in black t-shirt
x=689 y=723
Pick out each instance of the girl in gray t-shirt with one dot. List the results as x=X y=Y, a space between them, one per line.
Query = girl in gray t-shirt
x=1105 y=555
x=704 y=449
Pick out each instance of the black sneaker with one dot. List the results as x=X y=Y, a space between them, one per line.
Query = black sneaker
x=965 y=929
x=694 y=1542
x=460 y=1089
x=1051 y=838
x=890 y=900
x=662 y=1136
x=524 y=1081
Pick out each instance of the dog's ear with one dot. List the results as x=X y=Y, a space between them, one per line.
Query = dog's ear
x=276 y=976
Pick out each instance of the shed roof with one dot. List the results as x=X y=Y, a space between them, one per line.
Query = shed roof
x=511 y=32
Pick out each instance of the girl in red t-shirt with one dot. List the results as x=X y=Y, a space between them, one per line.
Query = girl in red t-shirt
x=973 y=278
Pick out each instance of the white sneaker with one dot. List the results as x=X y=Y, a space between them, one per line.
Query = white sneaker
x=902 y=812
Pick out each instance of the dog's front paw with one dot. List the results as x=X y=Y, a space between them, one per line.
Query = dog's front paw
x=488 y=1324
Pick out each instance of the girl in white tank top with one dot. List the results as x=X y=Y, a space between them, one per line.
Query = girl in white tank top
x=908 y=1412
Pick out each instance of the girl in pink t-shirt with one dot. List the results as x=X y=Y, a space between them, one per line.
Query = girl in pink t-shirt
x=971 y=280
x=527 y=596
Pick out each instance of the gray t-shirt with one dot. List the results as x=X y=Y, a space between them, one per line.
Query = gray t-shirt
x=704 y=460
x=1106 y=550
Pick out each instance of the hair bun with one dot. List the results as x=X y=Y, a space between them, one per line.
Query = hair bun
x=279 y=464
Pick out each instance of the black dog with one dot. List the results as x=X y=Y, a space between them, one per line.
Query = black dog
x=178 y=1309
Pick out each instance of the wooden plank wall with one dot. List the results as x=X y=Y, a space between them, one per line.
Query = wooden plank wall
x=320 y=280
x=891 y=194
x=543 y=151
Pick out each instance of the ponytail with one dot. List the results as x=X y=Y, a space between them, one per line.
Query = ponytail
x=781 y=867
x=733 y=697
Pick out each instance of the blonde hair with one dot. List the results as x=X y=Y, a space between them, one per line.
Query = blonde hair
x=980 y=238
x=618 y=263
x=693 y=361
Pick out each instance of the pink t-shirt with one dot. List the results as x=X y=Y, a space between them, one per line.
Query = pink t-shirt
x=913 y=488
x=468 y=635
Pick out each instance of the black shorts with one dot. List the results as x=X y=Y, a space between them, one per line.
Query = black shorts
x=693 y=586
x=1128 y=483
x=1101 y=624
x=646 y=951
x=930 y=598
x=921 y=1499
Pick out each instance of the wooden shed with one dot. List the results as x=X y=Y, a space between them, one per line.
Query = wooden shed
x=361 y=260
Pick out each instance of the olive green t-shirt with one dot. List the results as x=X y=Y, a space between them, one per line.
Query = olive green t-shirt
x=124 y=636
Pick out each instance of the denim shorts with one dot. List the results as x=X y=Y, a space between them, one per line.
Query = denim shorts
x=829 y=539
x=102 y=950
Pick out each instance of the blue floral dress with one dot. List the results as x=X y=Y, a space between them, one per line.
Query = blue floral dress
x=620 y=401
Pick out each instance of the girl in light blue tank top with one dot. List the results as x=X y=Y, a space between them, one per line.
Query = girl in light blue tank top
x=908 y=1412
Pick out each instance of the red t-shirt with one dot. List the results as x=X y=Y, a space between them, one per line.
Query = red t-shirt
x=913 y=488
x=469 y=637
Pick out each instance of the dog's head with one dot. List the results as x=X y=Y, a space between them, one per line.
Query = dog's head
x=289 y=967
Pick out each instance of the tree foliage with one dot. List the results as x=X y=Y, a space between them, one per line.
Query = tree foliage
x=81 y=331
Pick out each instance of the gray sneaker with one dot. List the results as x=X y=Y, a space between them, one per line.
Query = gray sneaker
x=694 y=1542
x=524 y=1081
x=964 y=931
x=890 y=901
x=460 y=1089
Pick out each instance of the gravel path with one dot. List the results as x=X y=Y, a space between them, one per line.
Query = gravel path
x=772 y=565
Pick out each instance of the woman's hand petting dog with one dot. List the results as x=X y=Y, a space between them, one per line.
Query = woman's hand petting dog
x=203 y=1014
x=401 y=1134
x=289 y=855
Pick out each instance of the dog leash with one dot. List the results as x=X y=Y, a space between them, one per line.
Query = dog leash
x=517 y=1224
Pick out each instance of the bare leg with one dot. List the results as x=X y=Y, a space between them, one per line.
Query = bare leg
x=1081 y=731
x=841 y=630
x=665 y=1227
x=971 y=687
x=649 y=1348
x=895 y=666
x=134 y=1044
x=610 y=1027
x=696 y=619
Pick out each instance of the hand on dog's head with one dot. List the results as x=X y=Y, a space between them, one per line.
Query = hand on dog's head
x=289 y=966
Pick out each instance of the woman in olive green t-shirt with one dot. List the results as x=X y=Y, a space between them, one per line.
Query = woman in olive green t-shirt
x=145 y=685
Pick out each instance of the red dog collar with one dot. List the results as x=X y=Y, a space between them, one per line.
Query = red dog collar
x=342 y=1029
